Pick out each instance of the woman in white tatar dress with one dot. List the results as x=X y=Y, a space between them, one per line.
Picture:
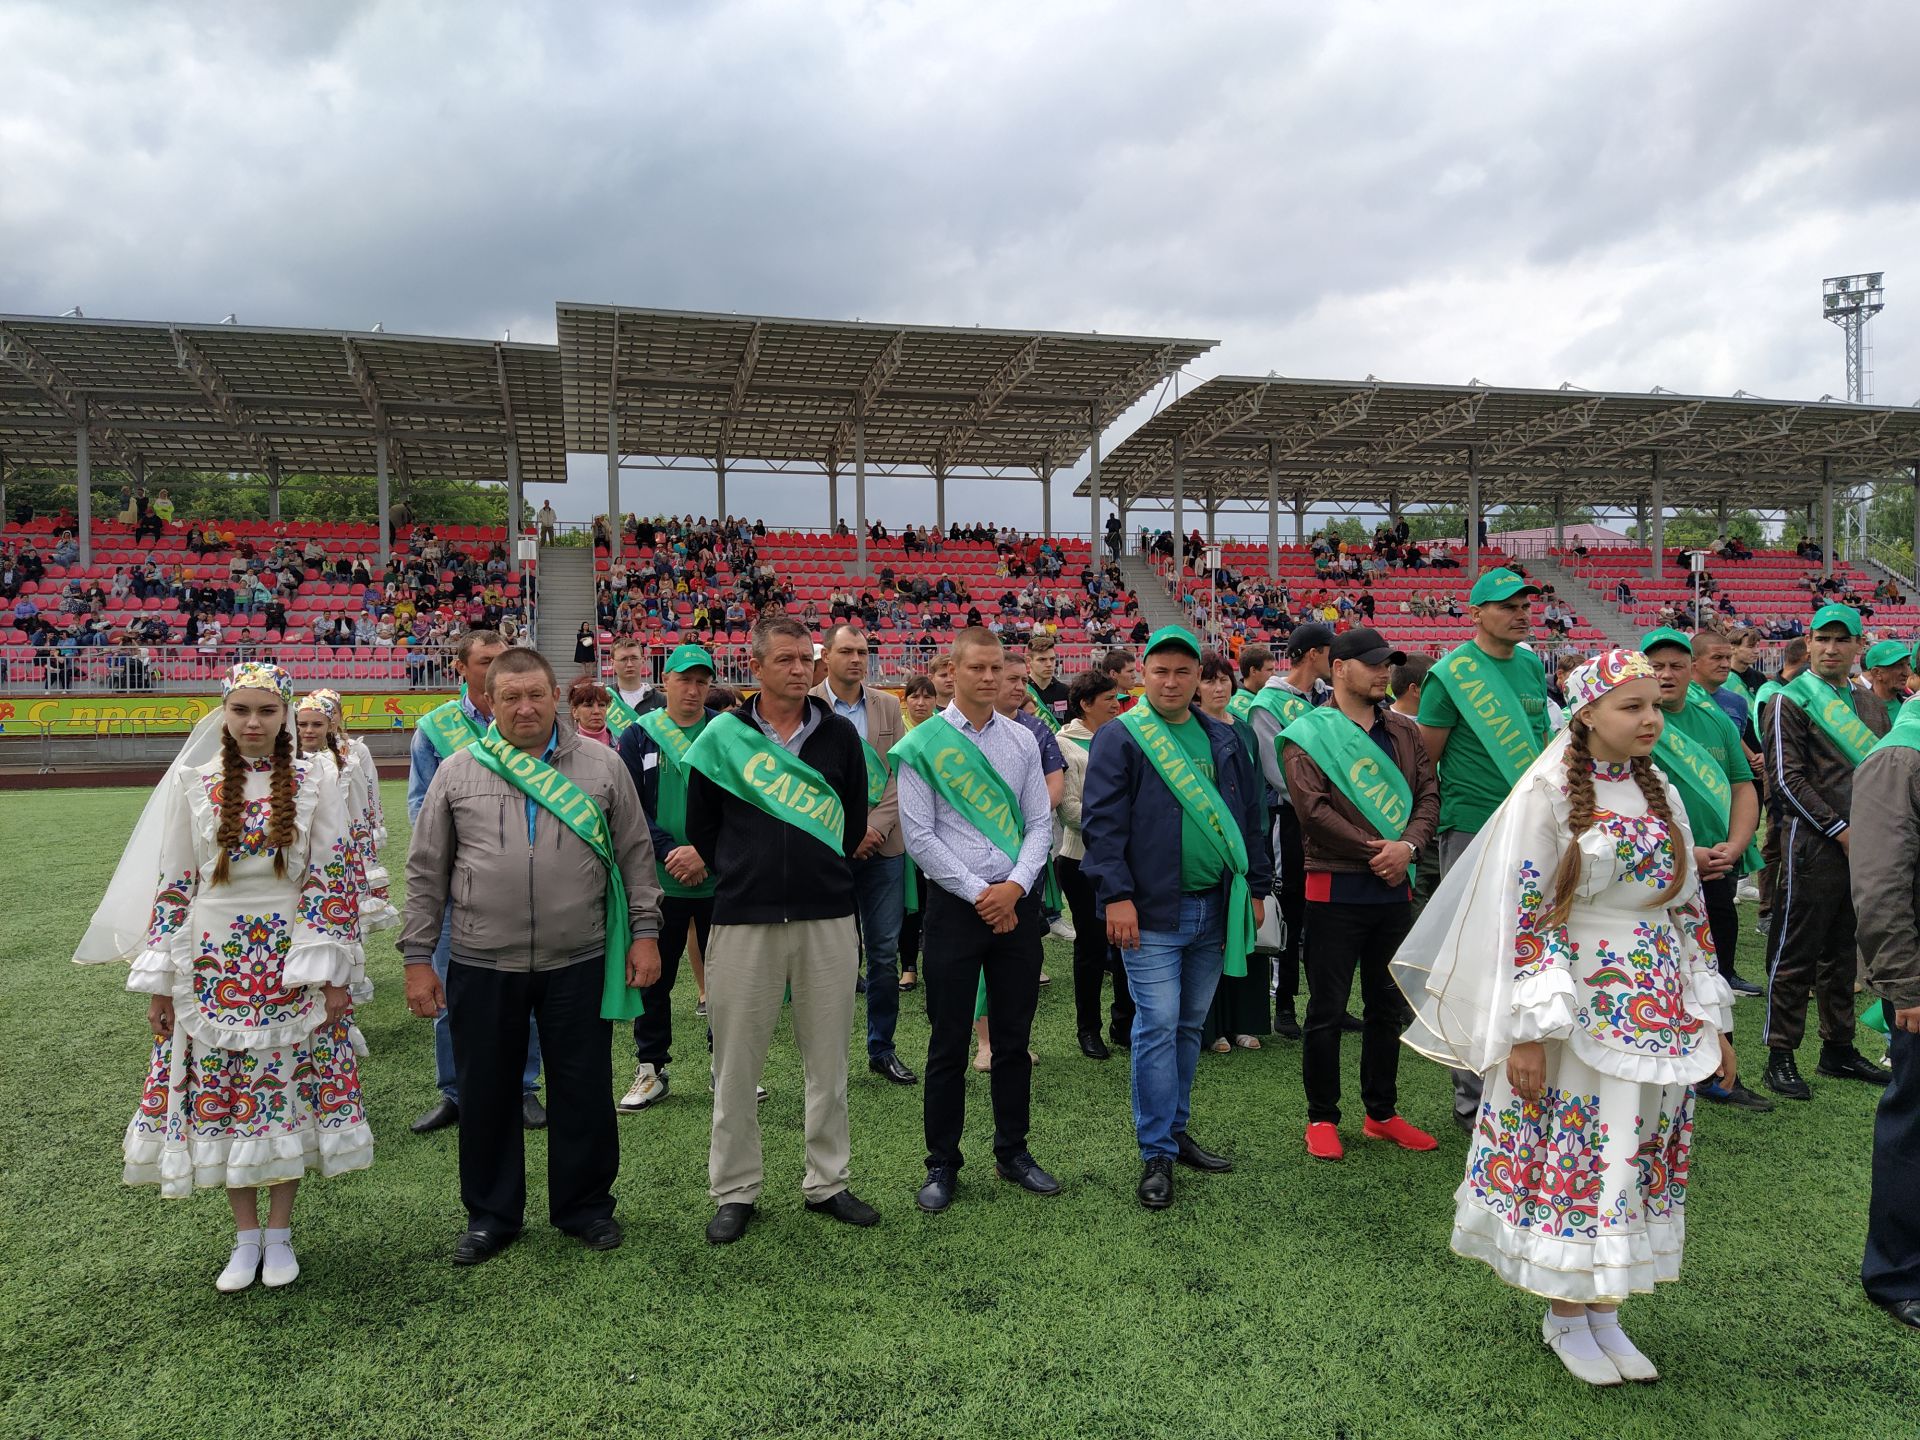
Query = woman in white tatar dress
x=248 y=944
x=320 y=744
x=367 y=818
x=1593 y=1015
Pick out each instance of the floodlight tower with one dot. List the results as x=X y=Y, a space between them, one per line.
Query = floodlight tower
x=1849 y=301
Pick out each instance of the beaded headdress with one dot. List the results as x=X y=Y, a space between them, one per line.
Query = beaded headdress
x=1606 y=671
x=325 y=701
x=259 y=675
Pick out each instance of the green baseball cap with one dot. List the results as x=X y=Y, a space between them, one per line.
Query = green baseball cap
x=691 y=657
x=1844 y=615
x=1177 y=635
x=1665 y=635
x=1887 y=652
x=1500 y=584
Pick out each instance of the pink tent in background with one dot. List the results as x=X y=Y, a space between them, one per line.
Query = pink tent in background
x=1594 y=537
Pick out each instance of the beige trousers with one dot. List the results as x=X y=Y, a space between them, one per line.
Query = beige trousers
x=749 y=968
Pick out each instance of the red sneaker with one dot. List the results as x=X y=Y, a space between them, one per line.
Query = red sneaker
x=1323 y=1141
x=1406 y=1136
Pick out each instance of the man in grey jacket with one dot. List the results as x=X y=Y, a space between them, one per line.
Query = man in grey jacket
x=528 y=897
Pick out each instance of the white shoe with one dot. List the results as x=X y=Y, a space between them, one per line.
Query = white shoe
x=648 y=1088
x=1624 y=1354
x=278 y=1267
x=1062 y=929
x=242 y=1266
x=1569 y=1338
x=1747 y=890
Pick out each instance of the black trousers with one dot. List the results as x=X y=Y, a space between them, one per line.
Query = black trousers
x=1338 y=938
x=1891 y=1269
x=489 y=1011
x=960 y=948
x=1811 y=948
x=653 y=1031
x=1093 y=958
x=1290 y=887
x=1723 y=920
x=911 y=923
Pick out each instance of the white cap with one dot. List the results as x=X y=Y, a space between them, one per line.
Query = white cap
x=819 y=651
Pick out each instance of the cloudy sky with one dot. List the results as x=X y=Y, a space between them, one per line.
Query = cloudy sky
x=1617 y=196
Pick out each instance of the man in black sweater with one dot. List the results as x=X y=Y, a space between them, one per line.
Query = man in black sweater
x=776 y=802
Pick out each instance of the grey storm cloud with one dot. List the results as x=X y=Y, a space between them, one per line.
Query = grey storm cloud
x=1527 y=193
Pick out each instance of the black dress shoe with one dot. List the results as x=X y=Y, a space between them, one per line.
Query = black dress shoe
x=937 y=1194
x=1850 y=1064
x=1783 y=1076
x=1091 y=1046
x=1156 y=1183
x=1744 y=987
x=1022 y=1171
x=1907 y=1312
x=601 y=1235
x=890 y=1067
x=846 y=1207
x=1194 y=1158
x=1120 y=1039
x=476 y=1246
x=729 y=1223
x=533 y=1114
x=442 y=1114
x=1286 y=1026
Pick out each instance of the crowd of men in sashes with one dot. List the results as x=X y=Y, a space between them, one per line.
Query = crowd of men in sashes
x=794 y=832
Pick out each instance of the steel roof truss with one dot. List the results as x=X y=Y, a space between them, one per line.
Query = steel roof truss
x=58 y=387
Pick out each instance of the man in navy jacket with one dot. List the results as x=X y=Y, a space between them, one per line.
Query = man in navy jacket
x=1164 y=898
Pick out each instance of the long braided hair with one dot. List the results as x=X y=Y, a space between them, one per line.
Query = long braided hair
x=233 y=806
x=1580 y=813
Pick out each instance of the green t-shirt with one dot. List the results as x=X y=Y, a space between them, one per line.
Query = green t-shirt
x=1200 y=867
x=1471 y=785
x=1709 y=727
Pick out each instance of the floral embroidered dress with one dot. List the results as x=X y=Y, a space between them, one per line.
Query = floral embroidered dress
x=1581 y=1195
x=254 y=1086
x=367 y=822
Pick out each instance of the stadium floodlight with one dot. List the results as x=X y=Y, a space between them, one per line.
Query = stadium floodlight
x=1849 y=301
x=74 y=314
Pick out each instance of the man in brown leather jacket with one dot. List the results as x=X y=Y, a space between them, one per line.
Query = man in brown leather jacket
x=1359 y=898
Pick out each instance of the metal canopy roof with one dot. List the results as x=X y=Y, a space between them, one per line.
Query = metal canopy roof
x=238 y=397
x=753 y=387
x=1375 y=442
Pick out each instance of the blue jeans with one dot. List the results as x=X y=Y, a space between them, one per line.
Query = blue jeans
x=1172 y=976
x=879 y=893
x=443 y=1073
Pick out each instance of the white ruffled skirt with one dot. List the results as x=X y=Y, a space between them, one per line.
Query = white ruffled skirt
x=1581 y=1195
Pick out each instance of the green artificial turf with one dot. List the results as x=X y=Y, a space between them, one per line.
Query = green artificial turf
x=1288 y=1298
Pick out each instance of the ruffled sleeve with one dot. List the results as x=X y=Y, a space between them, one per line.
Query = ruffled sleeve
x=1541 y=1005
x=1709 y=999
x=325 y=944
x=169 y=947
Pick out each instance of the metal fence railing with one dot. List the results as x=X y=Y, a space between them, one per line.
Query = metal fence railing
x=186 y=669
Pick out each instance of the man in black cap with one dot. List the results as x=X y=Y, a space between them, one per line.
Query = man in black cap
x=1285 y=697
x=1364 y=792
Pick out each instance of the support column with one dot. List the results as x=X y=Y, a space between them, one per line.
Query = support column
x=1720 y=514
x=1300 y=518
x=1213 y=513
x=860 y=496
x=384 y=500
x=514 y=503
x=1473 y=514
x=83 y=481
x=833 y=493
x=613 y=472
x=1179 y=512
x=1046 y=500
x=3 y=493
x=1916 y=518
x=1093 y=485
x=1273 y=511
x=1826 y=516
x=720 y=485
x=1559 y=522
x=1657 y=510
x=273 y=490
x=940 y=499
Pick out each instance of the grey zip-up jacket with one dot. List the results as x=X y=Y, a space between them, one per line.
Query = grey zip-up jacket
x=1884 y=859
x=520 y=906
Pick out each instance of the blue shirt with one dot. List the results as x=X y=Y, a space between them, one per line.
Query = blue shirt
x=533 y=807
x=856 y=713
x=423 y=758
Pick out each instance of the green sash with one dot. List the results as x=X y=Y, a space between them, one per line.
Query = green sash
x=1202 y=804
x=671 y=808
x=744 y=763
x=1768 y=689
x=1738 y=686
x=1354 y=763
x=576 y=810
x=1703 y=785
x=877 y=774
x=448 y=727
x=1833 y=713
x=954 y=768
x=1905 y=731
x=1043 y=710
x=620 y=715
x=1493 y=713
x=1285 y=705
x=1241 y=704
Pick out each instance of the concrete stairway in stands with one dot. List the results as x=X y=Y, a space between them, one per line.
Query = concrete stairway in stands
x=566 y=598
x=1157 y=605
x=1590 y=605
